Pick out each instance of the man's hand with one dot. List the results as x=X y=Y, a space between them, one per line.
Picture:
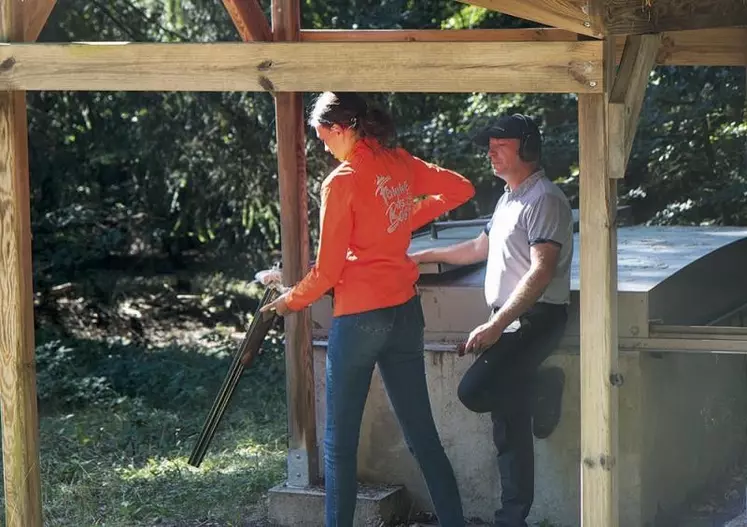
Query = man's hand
x=279 y=306
x=421 y=256
x=483 y=336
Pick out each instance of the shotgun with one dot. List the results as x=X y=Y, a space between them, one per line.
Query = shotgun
x=243 y=358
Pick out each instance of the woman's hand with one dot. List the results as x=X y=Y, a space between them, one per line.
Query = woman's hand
x=279 y=306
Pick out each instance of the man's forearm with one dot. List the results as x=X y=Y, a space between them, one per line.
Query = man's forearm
x=527 y=292
x=464 y=253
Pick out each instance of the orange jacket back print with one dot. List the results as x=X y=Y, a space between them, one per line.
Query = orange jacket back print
x=370 y=206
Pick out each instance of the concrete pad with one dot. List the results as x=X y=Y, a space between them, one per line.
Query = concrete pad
x=377 y=505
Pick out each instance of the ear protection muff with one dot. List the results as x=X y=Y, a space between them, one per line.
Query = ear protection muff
x=530 y=144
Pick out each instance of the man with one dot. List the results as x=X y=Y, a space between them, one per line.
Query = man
x=528 y=245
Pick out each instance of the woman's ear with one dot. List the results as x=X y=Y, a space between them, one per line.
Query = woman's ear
x=336 y=128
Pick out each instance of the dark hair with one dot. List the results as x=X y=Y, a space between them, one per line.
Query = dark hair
x=350 y=110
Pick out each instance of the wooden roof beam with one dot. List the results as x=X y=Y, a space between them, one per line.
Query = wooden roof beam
x=625 y=17
x=699 y=47
x=578 y=16
x=466 y=67
x=542 y=34
x=249 y=19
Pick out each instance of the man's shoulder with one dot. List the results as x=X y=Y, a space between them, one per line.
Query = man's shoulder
x=548 y=189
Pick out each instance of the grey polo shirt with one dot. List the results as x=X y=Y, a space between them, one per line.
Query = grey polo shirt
x=536 y=212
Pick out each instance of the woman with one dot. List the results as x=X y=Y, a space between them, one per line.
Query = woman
x=368 y=213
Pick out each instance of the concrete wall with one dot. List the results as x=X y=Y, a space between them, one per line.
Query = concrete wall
x=682 y=421
x=557 y=468
x=693 y=424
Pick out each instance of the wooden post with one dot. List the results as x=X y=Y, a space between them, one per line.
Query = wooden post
x=291 y=143
x=598 y=314
x=249 y=20
x=20 y=419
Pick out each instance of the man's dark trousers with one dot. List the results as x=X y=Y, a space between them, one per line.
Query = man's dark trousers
x=502 y=382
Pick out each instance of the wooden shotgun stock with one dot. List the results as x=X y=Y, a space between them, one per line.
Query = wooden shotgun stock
x=243 y=358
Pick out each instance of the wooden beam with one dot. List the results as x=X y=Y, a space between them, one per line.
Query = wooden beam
x=303 y=454
x=541 y=34
x=598 y=318
x=20 y=418
x=35 y=15
x=626 y=98
x=20 y=421
x=699 y=47
x=249 y=19
x=571 y=15
x=508 y=67
x=702 y=47
x=624 y=17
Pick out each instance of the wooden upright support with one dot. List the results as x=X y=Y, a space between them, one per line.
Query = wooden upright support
x=626 y=97
x=598 y=313
x=250 y=21
x=303 y=465
x=247 y=16
x=606 y=126
x=20 y=419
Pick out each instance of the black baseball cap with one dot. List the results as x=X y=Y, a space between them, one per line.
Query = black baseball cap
x=513 y=126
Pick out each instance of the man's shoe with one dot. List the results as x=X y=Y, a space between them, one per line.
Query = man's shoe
x=547 y=401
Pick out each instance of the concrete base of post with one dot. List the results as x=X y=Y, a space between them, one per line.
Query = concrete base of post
x=304 y=506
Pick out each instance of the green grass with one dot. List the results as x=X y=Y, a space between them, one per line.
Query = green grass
x=118 y=423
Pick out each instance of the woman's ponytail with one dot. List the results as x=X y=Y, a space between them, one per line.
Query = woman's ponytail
x=350 y=110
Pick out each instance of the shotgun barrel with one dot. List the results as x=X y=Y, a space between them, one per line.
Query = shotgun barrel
x=243 y=358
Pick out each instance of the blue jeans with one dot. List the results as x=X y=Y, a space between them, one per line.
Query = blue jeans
x=393 y=338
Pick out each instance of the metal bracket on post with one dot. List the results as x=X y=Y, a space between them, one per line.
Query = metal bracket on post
x=298 y=468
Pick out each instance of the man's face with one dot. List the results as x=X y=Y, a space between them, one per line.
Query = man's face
x=503 y=155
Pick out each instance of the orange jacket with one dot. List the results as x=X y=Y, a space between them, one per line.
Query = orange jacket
x=369 y=209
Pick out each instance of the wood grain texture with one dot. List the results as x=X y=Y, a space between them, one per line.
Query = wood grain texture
x=294 y=229
x=20 y=420
x=624 y=17
x=626 y=98
x=437 y=35
x=249 y=19
x=598 y=319
x=700 y=47
x=35 y=15
x=311 y=66
x=704 y=47
x=571 y=15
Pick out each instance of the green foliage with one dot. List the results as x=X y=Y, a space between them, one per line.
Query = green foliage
x=74 y=373
x=132 y=174
x=688 y=164
x=118 y=424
